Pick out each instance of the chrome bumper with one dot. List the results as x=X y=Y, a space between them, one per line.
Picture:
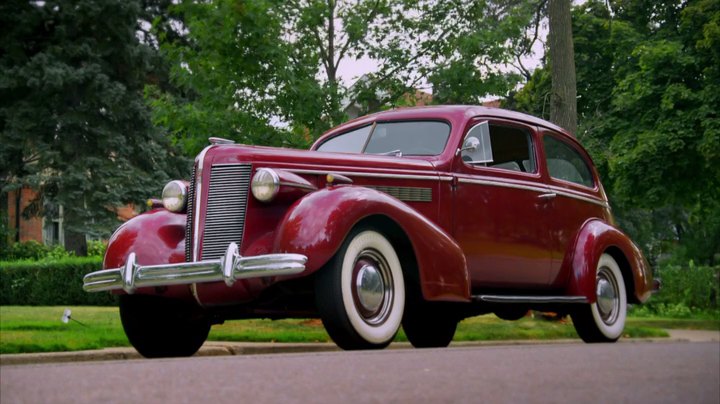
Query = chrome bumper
x=229 y=268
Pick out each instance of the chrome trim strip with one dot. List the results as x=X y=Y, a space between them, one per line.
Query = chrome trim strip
x=563 y=192
x=529 y=299
x=495 y=183
x=555 y=189
x=198 y=195
x=229 y=268
x=369 y=175
x=296 y=185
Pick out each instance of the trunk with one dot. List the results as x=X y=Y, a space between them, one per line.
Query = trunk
x=563 y=105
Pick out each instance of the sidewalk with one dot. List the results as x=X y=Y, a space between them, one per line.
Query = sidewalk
x=220 y=348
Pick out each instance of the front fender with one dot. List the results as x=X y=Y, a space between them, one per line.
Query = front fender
x=316 y=226
x=156 y=237
x=595 y=238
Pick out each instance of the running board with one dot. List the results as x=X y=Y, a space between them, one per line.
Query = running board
x=528 y=299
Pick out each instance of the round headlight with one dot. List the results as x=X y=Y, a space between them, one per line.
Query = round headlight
x=265 y=184
x=174 y=196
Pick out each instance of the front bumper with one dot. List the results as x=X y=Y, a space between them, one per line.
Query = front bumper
x=229 y=268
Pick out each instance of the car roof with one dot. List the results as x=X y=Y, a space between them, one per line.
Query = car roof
x=451 y=113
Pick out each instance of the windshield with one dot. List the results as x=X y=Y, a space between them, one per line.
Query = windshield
x=411 y=138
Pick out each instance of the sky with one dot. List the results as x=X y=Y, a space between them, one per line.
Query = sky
x=350 y=70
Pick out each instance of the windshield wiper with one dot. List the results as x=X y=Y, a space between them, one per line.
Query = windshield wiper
x=397 y=153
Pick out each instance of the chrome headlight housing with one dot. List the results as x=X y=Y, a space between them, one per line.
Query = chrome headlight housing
x=174 y=196
x=265 y=184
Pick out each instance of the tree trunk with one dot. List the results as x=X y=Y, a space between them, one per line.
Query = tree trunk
x=76 y=242
x=563 y=104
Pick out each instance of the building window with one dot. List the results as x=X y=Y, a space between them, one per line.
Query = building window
x=53 y=231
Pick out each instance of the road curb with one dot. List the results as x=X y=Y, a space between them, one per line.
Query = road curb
x=222 y=348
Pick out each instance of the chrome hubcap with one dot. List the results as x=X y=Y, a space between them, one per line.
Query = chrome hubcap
x=372 y=287
x=608 y=304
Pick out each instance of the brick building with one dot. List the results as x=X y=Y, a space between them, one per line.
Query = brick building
x=48 y=229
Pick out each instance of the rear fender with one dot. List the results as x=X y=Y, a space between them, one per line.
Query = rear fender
x=596 y=238
x=317 y=224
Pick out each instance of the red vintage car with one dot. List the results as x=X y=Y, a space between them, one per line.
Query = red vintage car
x=417 y=217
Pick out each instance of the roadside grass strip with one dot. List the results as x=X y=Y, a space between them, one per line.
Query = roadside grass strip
x=25 y=329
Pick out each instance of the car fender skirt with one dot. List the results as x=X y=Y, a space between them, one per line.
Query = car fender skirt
x=316 y=225
x=595 y=238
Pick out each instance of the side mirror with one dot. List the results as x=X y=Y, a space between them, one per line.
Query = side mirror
x=471 y=144
x=477 y=148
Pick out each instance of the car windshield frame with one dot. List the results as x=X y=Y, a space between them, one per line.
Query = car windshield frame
x=434 y=150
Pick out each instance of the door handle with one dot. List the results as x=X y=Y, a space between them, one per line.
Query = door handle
x=547 y=196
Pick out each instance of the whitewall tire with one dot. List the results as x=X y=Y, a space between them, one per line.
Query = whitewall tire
x=360 y=293
x=604 y=320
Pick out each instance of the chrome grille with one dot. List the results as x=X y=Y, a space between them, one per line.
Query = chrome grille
x=227 y=202
x=189 y=220
x=407 y=194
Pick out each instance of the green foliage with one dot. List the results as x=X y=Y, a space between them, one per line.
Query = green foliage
x=73 y=121
x=57 y=282
x=649 y=88
x=96 y=248
x=265 y=72
x=686 y=291
x=27 y=250
x=33 y=250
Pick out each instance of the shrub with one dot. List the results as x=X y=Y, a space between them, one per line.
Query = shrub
x=685 y=291
x=96 y=248
x=27 y=250
x=49 y=283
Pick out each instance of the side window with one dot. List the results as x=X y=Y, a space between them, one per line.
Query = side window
x=565 y=163
x=510 y=148
x=348 y=142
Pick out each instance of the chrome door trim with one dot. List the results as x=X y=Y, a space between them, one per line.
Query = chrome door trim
x=496 y=183
x=370 y=175
x=567 y=194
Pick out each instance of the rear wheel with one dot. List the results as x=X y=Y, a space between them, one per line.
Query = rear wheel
x=360 y=293
x=604 y=320
x=427 y=326
x=159 y=327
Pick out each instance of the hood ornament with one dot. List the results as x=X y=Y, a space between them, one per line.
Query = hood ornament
x=219 y=140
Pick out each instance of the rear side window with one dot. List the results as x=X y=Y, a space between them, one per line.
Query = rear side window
x=565 y=163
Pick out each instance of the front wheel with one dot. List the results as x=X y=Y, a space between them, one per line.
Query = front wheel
x=159 y=327
x=604 y=320
x=360 y=293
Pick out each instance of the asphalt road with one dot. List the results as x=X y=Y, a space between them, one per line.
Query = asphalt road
x=678 y=372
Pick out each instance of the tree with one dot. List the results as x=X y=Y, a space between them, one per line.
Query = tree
x=73 y=121
x=265 y=72
x=563 y=104
x=648 y=83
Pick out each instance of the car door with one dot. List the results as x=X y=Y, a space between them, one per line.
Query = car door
x=579 y=196
x=500 y=206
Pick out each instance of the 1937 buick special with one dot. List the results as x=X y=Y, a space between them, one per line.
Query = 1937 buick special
x=417 y=217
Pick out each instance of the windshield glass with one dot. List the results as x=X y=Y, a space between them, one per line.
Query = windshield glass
x=413 y=138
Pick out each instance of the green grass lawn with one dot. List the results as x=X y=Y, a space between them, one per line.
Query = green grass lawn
x=39 y=329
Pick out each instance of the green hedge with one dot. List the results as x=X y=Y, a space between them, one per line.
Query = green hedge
x=50 y=283
x=686 y=291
